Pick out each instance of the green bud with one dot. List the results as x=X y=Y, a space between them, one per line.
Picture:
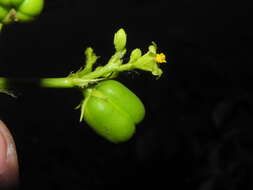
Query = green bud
x=152 y=48
x=120 y=38
x=136 y=54
x=91 y=59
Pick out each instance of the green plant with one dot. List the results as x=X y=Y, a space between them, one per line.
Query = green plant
x=108 y=107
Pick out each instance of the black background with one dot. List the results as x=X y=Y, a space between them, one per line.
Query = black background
x=197 y=132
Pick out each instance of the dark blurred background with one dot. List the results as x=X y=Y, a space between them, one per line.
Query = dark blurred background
x=197 y=132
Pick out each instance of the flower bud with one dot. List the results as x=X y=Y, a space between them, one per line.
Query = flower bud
x=136 y=54
x=120 y=40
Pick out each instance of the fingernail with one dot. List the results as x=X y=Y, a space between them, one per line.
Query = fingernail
x=3 y=153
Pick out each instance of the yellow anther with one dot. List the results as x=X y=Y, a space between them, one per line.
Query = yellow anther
x=160 y=58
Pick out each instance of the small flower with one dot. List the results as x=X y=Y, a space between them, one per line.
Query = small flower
x=160 y=58
x=148 y=62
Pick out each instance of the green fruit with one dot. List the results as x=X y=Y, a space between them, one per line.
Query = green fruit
x=112 y=110
x=6 y=3
x=31 y=7
x=3 y=13
x=16 y=3
x=26 y=10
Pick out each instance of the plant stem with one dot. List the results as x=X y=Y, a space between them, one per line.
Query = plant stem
x=56 y=83
x=108 y=69
x=9 y=83
x=65 y=82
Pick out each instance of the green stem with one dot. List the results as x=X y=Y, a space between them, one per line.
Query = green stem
x=67 y=82
x=3 y=86
x=71 y=81
x=103 y=71
x=56 y=83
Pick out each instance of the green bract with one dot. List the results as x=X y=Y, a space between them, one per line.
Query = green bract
x=112 y=110
x=19 y=10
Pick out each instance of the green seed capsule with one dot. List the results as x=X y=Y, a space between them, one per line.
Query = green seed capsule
x=112 y=110
x=6 y=3
x=25 y=10
x=28 y=9
x=31 y=7
x=3 y=13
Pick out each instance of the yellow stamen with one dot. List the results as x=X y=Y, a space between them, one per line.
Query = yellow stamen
x=160 y=58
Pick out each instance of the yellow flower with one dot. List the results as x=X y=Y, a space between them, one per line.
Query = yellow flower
x=160 y=58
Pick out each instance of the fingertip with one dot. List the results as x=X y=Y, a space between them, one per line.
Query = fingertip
x=8 y=159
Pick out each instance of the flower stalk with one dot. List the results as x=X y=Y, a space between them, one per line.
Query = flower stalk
x=88 y=75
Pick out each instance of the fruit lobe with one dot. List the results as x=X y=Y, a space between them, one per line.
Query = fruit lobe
x=112 y=110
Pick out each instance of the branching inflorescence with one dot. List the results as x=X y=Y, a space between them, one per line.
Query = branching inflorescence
x=109 y=108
